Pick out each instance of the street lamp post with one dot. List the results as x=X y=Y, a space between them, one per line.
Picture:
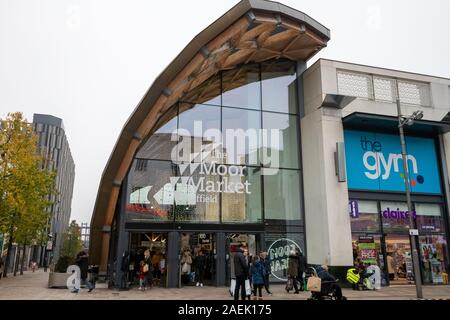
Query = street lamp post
x=415 y=256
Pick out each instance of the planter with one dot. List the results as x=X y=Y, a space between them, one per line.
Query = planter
x=58 y=280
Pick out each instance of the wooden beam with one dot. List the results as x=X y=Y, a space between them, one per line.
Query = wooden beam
x=255 y=32
x=280 y=37
x=238 y=57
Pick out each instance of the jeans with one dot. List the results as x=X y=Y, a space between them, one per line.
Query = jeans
x=199 y=273
x=266 y=282
x=142 y=283
x=259 y=287
x=301 y=280
x=240 y=284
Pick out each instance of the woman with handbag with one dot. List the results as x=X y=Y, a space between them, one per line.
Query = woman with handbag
x=147 y=268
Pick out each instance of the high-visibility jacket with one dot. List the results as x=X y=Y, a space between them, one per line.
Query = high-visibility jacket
x=352 y=275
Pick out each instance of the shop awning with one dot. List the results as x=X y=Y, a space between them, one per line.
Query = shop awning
x=389 y=124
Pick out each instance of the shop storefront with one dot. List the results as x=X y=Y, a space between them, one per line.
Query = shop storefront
x=378 y=212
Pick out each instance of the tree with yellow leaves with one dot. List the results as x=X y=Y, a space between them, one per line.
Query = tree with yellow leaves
x=24 y=185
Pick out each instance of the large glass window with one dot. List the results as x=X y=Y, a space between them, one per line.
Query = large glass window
x=161 y=143
x=280 y=141
x=368 y=219
x=434 y=258
x=240 y=130
x=150 y=195
x=429 y=217
x=241 y=88
x=245 y=203
x=279 y=87
x=199 y=129
x=205 y=93
x=282 y=195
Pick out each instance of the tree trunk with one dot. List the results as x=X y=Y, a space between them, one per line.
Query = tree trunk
x=8 y=252
x=23 y=260
x=16 y=262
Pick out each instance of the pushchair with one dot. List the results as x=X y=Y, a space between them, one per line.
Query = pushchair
x=327 y=289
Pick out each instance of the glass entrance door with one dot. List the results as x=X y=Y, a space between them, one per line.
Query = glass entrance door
x=398 y=259
x=197 y=259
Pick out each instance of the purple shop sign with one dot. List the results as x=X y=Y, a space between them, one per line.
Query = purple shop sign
x=397 y=214
x=354 y=210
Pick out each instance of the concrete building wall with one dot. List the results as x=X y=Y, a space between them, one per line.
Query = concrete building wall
x=327 y=221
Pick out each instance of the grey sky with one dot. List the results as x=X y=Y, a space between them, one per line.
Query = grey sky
x=90 y=62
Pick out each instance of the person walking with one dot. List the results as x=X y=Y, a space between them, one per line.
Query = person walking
x=293 y=269
x=82 y=263
x=257 y=272
x=148 y=269
x=200 y=265
x=301 y=269
x=241 y=273
x=265 y=261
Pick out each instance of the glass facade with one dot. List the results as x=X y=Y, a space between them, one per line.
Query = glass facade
x=228 y=152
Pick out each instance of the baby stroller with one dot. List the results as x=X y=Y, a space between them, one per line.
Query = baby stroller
x=327 y=289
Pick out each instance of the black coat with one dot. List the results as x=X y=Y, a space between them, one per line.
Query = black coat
x=200 y=262
x=82 y=262
x=240 y=264
x=301 y=264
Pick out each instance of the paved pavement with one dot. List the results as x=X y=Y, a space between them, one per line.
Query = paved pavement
x=34 y=286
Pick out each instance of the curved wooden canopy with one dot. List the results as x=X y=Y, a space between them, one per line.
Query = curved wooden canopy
x=252 y=31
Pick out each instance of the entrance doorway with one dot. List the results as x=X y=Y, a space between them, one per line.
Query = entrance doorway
x=234 y=240
x=398 y=259
x=197 y=259
x=156 y=243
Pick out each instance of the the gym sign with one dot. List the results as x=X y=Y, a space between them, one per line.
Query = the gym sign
x=374 y=162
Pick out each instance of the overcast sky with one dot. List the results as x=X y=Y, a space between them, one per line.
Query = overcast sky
x=90 y=62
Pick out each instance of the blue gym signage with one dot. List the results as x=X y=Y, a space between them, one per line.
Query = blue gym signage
x=374 y=162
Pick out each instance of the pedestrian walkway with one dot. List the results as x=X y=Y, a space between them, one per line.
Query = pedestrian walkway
x=34 y=286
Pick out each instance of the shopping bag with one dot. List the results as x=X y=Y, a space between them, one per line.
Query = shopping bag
x=248 y=288
x=314 y=284
x=232 y=286
x=185 y=268
x=145 y=268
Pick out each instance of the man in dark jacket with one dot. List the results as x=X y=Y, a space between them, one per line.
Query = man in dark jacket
x=241 y=273
x=200 y=265
x=301 y=269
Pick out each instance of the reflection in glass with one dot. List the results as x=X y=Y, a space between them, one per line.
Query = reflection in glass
x=280 y=150
x=282 y=195
x=429 y=217
x=240 y=130
x=197 y=196
x=279 y=86
x=149 y=193
x=368 y=219
x=241 y=88
x=392 y=216
x=160 y=144
x=434 y=258
x=199 y=128
x=244 y=205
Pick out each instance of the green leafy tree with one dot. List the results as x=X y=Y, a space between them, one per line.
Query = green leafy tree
x=72 y=245
x=24 y=185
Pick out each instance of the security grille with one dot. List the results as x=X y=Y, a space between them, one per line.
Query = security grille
x=385 y=89
x=414 y=92
x=355 y=84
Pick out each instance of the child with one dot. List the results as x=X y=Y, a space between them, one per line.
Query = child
x=257 y=271
x=141 y=276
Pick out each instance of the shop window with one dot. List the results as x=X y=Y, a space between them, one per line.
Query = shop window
x=279 y=86
x=429 y=217
x=367 y=218
x=278 y=247
x=240 y=130
x=395 y=216
x=242 y=88
x=244 y=206
x=282 y=195
x=434 y=258
x=280 y=147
